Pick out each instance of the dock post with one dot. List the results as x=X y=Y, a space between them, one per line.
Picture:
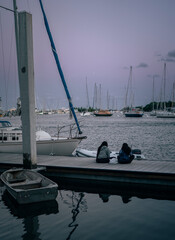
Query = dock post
x=26 y=82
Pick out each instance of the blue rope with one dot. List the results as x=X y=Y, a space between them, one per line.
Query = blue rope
x=59 y=66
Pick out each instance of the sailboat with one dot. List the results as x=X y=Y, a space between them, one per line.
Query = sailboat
x=86 y=113
x=101 y=112
x=11 y=137
x=131 y=112
x=165 y=113
x=153 y=112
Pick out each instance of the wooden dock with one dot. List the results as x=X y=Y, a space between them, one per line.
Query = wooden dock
x=139 y=172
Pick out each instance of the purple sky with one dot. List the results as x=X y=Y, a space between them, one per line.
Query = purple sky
x=97 y=40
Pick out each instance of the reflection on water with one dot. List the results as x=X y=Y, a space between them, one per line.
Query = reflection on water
x=91 y=211
x=29 y=213
x=105 y=198
x=29 y=210
x=75 y=211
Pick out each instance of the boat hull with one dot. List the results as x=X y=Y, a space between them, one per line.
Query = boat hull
x=59 y=147
x=92 y=154
x=168 y=115
x=32 y=187
x=102 y=115
x=133 y=114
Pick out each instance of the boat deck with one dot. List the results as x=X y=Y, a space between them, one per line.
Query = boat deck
x=147 y=172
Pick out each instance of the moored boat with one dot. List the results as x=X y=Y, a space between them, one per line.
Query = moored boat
x=79 y=152
x=103 y=113
x=11 y=141
x=134 y=113
x=28 y=186
x=165 y=114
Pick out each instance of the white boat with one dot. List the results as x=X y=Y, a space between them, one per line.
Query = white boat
x=28 y=186
x=153 y=113
x=11 y=141
x=85 y=114
x=92 y=154
x=165 y=114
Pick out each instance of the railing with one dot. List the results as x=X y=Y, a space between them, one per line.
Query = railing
x=70 y=129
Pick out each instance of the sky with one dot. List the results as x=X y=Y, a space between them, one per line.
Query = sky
x=97 y=41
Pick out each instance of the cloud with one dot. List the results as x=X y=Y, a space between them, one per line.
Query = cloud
x=170 y=60
x=142 y=65
x=171 y=54
x=167 y=60
x=170 y=57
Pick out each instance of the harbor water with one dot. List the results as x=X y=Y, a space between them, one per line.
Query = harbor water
x=99 y=213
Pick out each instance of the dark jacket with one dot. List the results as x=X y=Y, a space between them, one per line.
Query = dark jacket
x=125 y=154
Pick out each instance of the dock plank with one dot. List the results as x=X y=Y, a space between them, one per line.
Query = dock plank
x=139 y=171
x=80 y=162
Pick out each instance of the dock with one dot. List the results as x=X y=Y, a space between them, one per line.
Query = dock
x=159 y=174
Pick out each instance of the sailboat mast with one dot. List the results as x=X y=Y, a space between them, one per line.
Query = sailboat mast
x=59 y=66
x=129 y=88
x=153 y=93
x=164 y=85
x=88 y=104
x=173 y=94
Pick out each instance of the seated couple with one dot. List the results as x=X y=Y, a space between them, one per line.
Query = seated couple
x=103 y=154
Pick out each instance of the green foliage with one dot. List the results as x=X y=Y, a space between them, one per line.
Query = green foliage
x=157 y=106
x=90 y=109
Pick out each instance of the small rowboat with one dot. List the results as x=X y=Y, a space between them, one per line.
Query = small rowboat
x=28 y=186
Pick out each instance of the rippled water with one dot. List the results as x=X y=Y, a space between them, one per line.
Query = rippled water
x=92 y=213
x=154 y=136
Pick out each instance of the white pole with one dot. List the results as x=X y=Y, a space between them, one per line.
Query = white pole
x=26 y=81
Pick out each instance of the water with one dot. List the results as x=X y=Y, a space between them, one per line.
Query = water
x=154 y=136
x=93 y=212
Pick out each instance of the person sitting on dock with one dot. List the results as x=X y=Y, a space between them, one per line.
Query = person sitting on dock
x=125 y=154
x=103 y=153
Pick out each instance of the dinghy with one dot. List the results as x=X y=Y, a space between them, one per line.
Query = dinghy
x=28 y=186
x=79 y=152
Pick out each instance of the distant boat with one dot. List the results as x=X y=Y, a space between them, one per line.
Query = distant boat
x=165 y=113
x=28 y=186
x=85 y=114
x=132 y=111
x=153 y=113
x=103 y=113
x=11 y=141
